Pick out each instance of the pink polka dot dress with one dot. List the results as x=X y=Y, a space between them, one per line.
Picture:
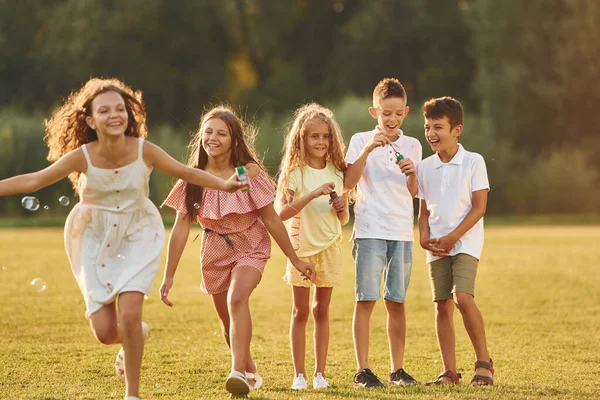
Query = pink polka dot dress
x=233 y=233
x=114 y=235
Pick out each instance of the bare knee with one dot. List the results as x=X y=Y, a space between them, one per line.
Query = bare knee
x=130 y=319
x=236 y=300
x=365 y=306
x=107 y=334
x=443 y=308
x=300 y=314
x=320 y=312
x=463 y=301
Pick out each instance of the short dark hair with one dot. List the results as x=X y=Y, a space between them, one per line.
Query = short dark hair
x=388 y=87
x=444 y=107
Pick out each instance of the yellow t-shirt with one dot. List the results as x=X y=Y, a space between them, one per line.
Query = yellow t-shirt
x=316 y=226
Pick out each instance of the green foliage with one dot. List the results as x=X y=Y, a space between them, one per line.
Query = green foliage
x=537 y=289
x=537 y=71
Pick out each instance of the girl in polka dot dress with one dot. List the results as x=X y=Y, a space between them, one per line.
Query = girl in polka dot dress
x=235 y=243
x=310 y=178
x=114 y=235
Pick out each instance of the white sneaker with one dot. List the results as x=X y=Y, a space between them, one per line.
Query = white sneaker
x=319 y=382
x=299 y=383
x=120 y=360
x=237 y=384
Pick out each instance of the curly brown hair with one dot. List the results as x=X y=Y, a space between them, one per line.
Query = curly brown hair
x=67 y=129
x=295 y=154
x=242 y=149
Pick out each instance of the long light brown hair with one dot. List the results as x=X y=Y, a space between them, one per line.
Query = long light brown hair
x=295 y=154
x=242 y=149
x=67 y=129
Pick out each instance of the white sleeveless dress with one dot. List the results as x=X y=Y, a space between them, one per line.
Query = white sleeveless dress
x=114 y=235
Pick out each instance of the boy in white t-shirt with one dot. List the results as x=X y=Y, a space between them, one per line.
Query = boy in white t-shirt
x=382 y=163
x=453 y=188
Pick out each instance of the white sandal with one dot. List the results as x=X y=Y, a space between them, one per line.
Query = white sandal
x=258 y=380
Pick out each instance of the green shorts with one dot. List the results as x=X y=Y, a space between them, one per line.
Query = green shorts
x=453 y=274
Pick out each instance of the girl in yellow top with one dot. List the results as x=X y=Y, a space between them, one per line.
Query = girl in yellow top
x=312 y=202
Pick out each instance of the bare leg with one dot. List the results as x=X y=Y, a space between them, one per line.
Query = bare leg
x=444 y=328
x=475 y=328
x=130 y=325
x=301 y=296
x=396 y=332
x=320 y=311
x=220 y=303
x=243 y=281
x=104 y=324
x=361 y=327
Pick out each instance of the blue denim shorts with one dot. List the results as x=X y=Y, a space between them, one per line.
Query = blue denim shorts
x=376 y=257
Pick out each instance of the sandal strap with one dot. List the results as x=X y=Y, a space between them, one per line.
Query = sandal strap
x=449 y=374
x=486 y=365
x=488 y=380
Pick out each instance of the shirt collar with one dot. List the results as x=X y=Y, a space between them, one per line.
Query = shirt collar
x=456 y=160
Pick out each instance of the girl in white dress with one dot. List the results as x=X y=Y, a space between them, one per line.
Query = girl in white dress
x=114 y=235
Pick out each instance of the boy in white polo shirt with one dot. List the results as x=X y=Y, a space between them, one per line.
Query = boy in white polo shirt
x=453 y=188
x=382 y=163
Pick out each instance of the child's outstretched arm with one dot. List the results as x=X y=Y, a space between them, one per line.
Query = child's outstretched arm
x=290 y=208
x=276 y=228
x=177 y=241
x=157 y=157
x=73 y=161
x=477 y=211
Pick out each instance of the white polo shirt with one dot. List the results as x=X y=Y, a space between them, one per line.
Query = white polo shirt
x=384 y=206
x=447 y=188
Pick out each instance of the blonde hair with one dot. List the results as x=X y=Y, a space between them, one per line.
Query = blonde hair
x=67 y=129
x=295 y=154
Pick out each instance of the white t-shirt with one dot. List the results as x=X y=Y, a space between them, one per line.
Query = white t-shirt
x=384 y=206
x=447 y=189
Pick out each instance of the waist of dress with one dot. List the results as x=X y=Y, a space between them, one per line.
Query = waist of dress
x=121 y=208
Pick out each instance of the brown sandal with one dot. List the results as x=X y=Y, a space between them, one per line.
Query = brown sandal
x=454 y=377
x=481 y=380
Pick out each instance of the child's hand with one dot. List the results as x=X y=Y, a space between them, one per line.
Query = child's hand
x=446 y=243
x=339 y=204
x=378 y=140
x=432 y=245
x=324 y=189
x=232 y=184
x=165 y=286
x=407 y=166
x=306 y=269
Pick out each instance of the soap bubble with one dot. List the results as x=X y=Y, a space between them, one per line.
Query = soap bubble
x=46 y=208
x=196 y=206
x=30 y=203
x=64 y=201
x=4 y=268
x=38 y=285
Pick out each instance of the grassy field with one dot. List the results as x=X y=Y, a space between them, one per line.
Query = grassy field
x=538 y=290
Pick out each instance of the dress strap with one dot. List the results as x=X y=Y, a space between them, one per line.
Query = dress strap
x=87 y=155
x=140 y=148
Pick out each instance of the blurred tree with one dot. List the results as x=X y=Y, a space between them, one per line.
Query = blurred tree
x=538 y=69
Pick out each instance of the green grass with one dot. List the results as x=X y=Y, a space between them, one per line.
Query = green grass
x=537 y=289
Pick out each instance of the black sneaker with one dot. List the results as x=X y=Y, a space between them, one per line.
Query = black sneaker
x=402 y=378
x=366 y=378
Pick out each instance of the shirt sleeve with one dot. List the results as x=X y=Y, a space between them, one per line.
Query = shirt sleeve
x=354 y=149
x=176 y=198
x=293 y=180
x=479 y=178
x=420 y=174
